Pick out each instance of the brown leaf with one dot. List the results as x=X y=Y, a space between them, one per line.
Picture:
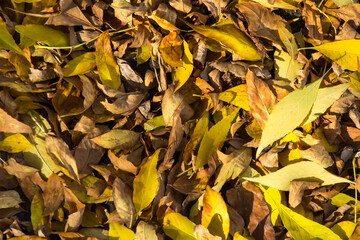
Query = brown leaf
x=261 y=98
x=59 y=151
x=195 y=184
x=312 y=19
x=256 y=214
x=216 y=6
x=76 y=211
x=202 y=233
x=171 y=48
x=53 y=194
x=121 y=163
x=124 y=205
x=11 y=125
x=124 y=103
x=297 y=189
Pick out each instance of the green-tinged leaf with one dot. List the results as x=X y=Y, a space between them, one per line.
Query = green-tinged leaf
x=238 y=236
x=143 y=54
x=107 y=67
x=6 y=40
x=341 y=199
x=325 y=98
x=154 y=123
x=344 y=52
x=37 y=210
x=183 y=73
x=341 y=3
x=201 y=128
x=178 y=227
x=288 y=40
x=146 y=183
x=214 y=215
x=117 y=139
x=299 y=226
x=9 y=199
x=37 y=155
x=118 y=231
x=231 y=38
x=286 y=68
x=344 y=229
x=355 y=83
x=213 y=138
x=45 y=34
x=15 y=143
x=236 y=96
x=288 y=114
x=275 y=197
x=298 y=171
x=80 y=65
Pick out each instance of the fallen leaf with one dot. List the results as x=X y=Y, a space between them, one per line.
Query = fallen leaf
x=124 y=205
x=202 y=233
x=172 y=49
x=9 y=199
x=15 y=143
x=183 y=73
x=178 y=227
x=236 y=96
x=80 y=65
x=53 y=194
x=117 y=139
x=7 y=41
x=117 y=231
x=145 y=231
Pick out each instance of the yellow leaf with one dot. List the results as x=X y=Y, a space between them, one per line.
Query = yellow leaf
x=214 y=215
x=171 y=48
x=286 y=67
x=345 y=52
x=118 y=231
x=37 y=210
x=146 y=183
x=80 y=65
x=107 y=67
x=6 y=40
x=117 y=139
x=179 y=227
x=236 y=96
x=183 y=73
x=15 y=143
x=231 y=38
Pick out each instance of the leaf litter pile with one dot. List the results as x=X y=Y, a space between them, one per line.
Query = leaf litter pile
x=179 y=119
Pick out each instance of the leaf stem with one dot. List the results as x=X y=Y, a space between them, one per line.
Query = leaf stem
x=356 y=200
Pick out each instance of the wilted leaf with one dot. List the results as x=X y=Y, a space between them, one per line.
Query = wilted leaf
x=146 y=183
x=261 y=98
x=178 y=227
x=11 y=125
x=80 y=65
x=202 y=233
x=118 y=231
x=214 y=215
x=53 y=194
x=298 y=171
x=117 y=139
x=125 y=103
x=15 y=143
x=9 y=199
x=345 y=52
x=213 y=138
x=231 y=38
x=107 y=67
x=299 y=226
x=145 y=231
x=45 y=34
x=288 y=114
x=124 y=205
x=195 y=184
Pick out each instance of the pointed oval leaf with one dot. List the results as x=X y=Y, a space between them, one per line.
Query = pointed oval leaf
x=45 y=34
x=107 y=67
x=231 y=38
x=345 y=52
x=236 y=96
x=171 y=48
x=117 y=139
x=214 y=215
x=118 y=231
x=213 y=138
x=178 y=227
x=344 y=229
x=6 y=40
x=288 y=114
x=9 y=199
x=183 y=73
x=124 y=205
x=299 y=226
x=80 y=65
x=146 y=183
x=15 y=143
x=11 y=125
x=145 y=231
x=37 y=210
x=301 y=170
x=324 y=99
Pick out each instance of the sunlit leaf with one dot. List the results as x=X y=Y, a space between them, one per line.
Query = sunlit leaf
x=304 y=170
x=231 y=38
x=178 y=227
x=299 y=226
x=118 y=231
x=183 y=73
x=172 y=49
x=80 y=65
x=286 y=67
x=15 y=143
x=344 y=229
x=143 y=54
x=107 y=67
x=45 y=34
x=145 y=231
x=214 y=215
x=146 y=183
x=237 y=96
x=213 y=138
x=288 y=114
x=345 y=52
x=117 y=139
x=37 y=210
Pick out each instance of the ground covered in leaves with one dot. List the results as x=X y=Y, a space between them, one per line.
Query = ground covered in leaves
x=179 y=119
